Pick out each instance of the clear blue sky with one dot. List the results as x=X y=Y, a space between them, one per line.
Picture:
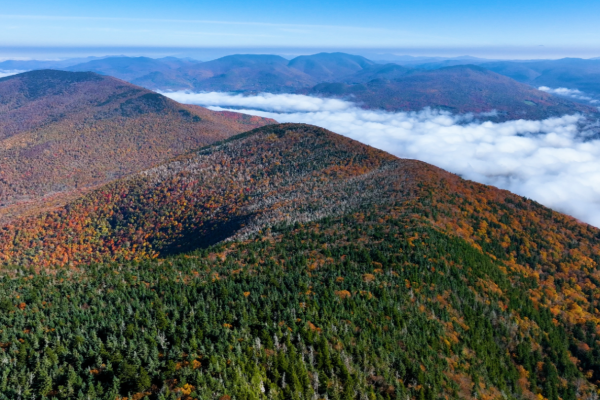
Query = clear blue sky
x=402 y=24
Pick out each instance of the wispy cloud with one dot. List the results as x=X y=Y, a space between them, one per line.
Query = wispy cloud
x=191 y=21
x=572 y=93
x=265 y=102
x=553 y=161
x=4 y=73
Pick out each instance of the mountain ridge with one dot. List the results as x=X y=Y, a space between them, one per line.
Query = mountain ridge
x=65 y=131
x=337 y=73
x=459 y=89
x=447 y=287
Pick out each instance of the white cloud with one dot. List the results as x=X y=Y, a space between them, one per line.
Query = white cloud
x=265 y=102
x=552 y=161
x=4 y=73
x=572 y=93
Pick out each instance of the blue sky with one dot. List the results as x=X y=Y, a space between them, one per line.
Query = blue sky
x=547 y=26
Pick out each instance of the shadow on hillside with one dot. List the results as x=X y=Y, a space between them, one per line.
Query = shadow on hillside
x=207 y=235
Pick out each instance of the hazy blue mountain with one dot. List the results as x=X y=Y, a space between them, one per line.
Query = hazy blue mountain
x=247 y=73
x=330 y=66
x=380 y=86
x=460 y=89
x=129 y=68
x=572 y=73
x=377 y=71
x=27 y=65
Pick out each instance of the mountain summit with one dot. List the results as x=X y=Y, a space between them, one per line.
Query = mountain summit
x=64 y=132
x=317 y=265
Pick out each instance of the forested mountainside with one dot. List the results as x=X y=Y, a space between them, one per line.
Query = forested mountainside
x=64 y=132
x=460 y=89
x=348 y=274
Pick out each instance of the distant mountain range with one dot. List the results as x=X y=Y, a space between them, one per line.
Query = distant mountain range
x=65 y=132
x=129 y=68
x=460 y=89
x=571 y=73
x=448 y=84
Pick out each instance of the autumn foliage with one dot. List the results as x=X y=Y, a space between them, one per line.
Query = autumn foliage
x=64 y=133
x=318 y=267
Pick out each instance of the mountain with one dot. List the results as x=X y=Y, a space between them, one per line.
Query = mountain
x=448 y=84
x=330 y=66
x=65 y=132
x=236 y=73
x=461 y=89
x=571 y=73
x=376 y=72
x=130 y=68
x=26 y=65
x=321 y=268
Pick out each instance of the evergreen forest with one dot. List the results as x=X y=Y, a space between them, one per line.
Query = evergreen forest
x=292 y=263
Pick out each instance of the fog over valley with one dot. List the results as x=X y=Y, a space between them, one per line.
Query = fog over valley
x=554 y=161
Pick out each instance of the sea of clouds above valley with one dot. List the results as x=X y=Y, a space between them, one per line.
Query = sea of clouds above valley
x=553 y=161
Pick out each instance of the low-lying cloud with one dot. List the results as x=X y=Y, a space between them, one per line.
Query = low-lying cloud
x=264 y=102
x=4 y=73
x=572 y=93
x=554 y=161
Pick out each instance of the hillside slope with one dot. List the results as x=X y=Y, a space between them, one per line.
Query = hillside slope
x=351 y=274
x=62 y=132
x=461 y=89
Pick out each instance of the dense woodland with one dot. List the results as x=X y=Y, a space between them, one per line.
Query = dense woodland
x=288 y=263
x=62 y=133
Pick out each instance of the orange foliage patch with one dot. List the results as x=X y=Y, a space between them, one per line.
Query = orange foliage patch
x=343 y=294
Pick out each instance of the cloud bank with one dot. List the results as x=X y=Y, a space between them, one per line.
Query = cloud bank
x=4 y=73
x=265 y=102
x=572 y=93
x=554 y=161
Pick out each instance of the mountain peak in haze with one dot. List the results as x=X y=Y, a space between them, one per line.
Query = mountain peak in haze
x=129 y=68
x=458 y=89
x=330 y=66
